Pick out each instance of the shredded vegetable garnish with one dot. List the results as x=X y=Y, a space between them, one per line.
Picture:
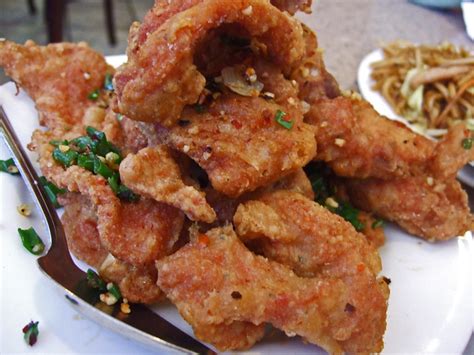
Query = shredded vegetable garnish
x=51 y=190
x=95 y=153
x=8 y=166
x=31 y=240
x=431 y=86
x=30 y=333
x=280 y=118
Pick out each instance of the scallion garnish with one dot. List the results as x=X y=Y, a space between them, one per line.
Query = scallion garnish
x=467 y=143
x=377 y=223
x=95 y=153
x=108 y=84
x=30 y=333
x=126 y=194
x=51 y=190
x=94 y=95
x=31 y=240
x=280 y=118
x=114 y=290
x=350 y=214
x=86 y=161
x=8 y=166
x=65 y=158
x=102 y=169
x=94 y=280
x=323 y=192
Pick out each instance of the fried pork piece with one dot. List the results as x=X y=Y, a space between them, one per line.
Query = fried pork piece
x=373 y=232
x=426 y=207
x=451 y=153
x=137 y=233
x=314 y=81
x=153 y=173
x=312 y=241
x=160 y=77
x=137 y=284
x=357 y=142
x=58 y=77
x=292 y=6
x=240 y=145
x=215 y=280
x=225 y=207
x=80 y=225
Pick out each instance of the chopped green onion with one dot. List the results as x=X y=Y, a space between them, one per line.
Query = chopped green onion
x=94 y=280
x=66 y=158
x=350 y=214
x=94 y=95
x=31 y=240
x=114 y=183
x=83 y=143
x=102 y=169
x=95 y=133
x=126 y=194
x=100 y=144
x=467 y=143
x=51 y=190
x=108 y=84
x=57 y=143
x=86 y=161
x=279 y=117
x=119 y=117
x=30 y=333
x=377 y=223
x=114 y=290
x=8 y=166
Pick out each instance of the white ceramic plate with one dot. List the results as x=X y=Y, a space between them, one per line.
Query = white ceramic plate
x=381 y=105
x=430 y=307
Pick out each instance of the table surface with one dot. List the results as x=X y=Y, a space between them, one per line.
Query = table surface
x=349 y=29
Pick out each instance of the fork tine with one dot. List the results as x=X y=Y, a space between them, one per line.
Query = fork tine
x=142 y=324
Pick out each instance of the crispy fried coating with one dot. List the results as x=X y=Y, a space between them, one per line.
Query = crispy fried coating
x=240 y=145
x=429 y=208
x=317 y=242
x=216 y=280
x=292 y=6
x=137 y=284
x=374 y=234
x=451 y=155
x=160 y=77
x=80 y=225
x=357 y=142
x=152 y=172
x=58 y=77
x=137 y=233
x=314 y=81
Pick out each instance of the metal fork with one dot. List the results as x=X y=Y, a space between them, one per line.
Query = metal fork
x=141 y=324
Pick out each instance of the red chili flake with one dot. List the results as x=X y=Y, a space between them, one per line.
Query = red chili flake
x=204 y=240
x=236 y=124
x=360 y=267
